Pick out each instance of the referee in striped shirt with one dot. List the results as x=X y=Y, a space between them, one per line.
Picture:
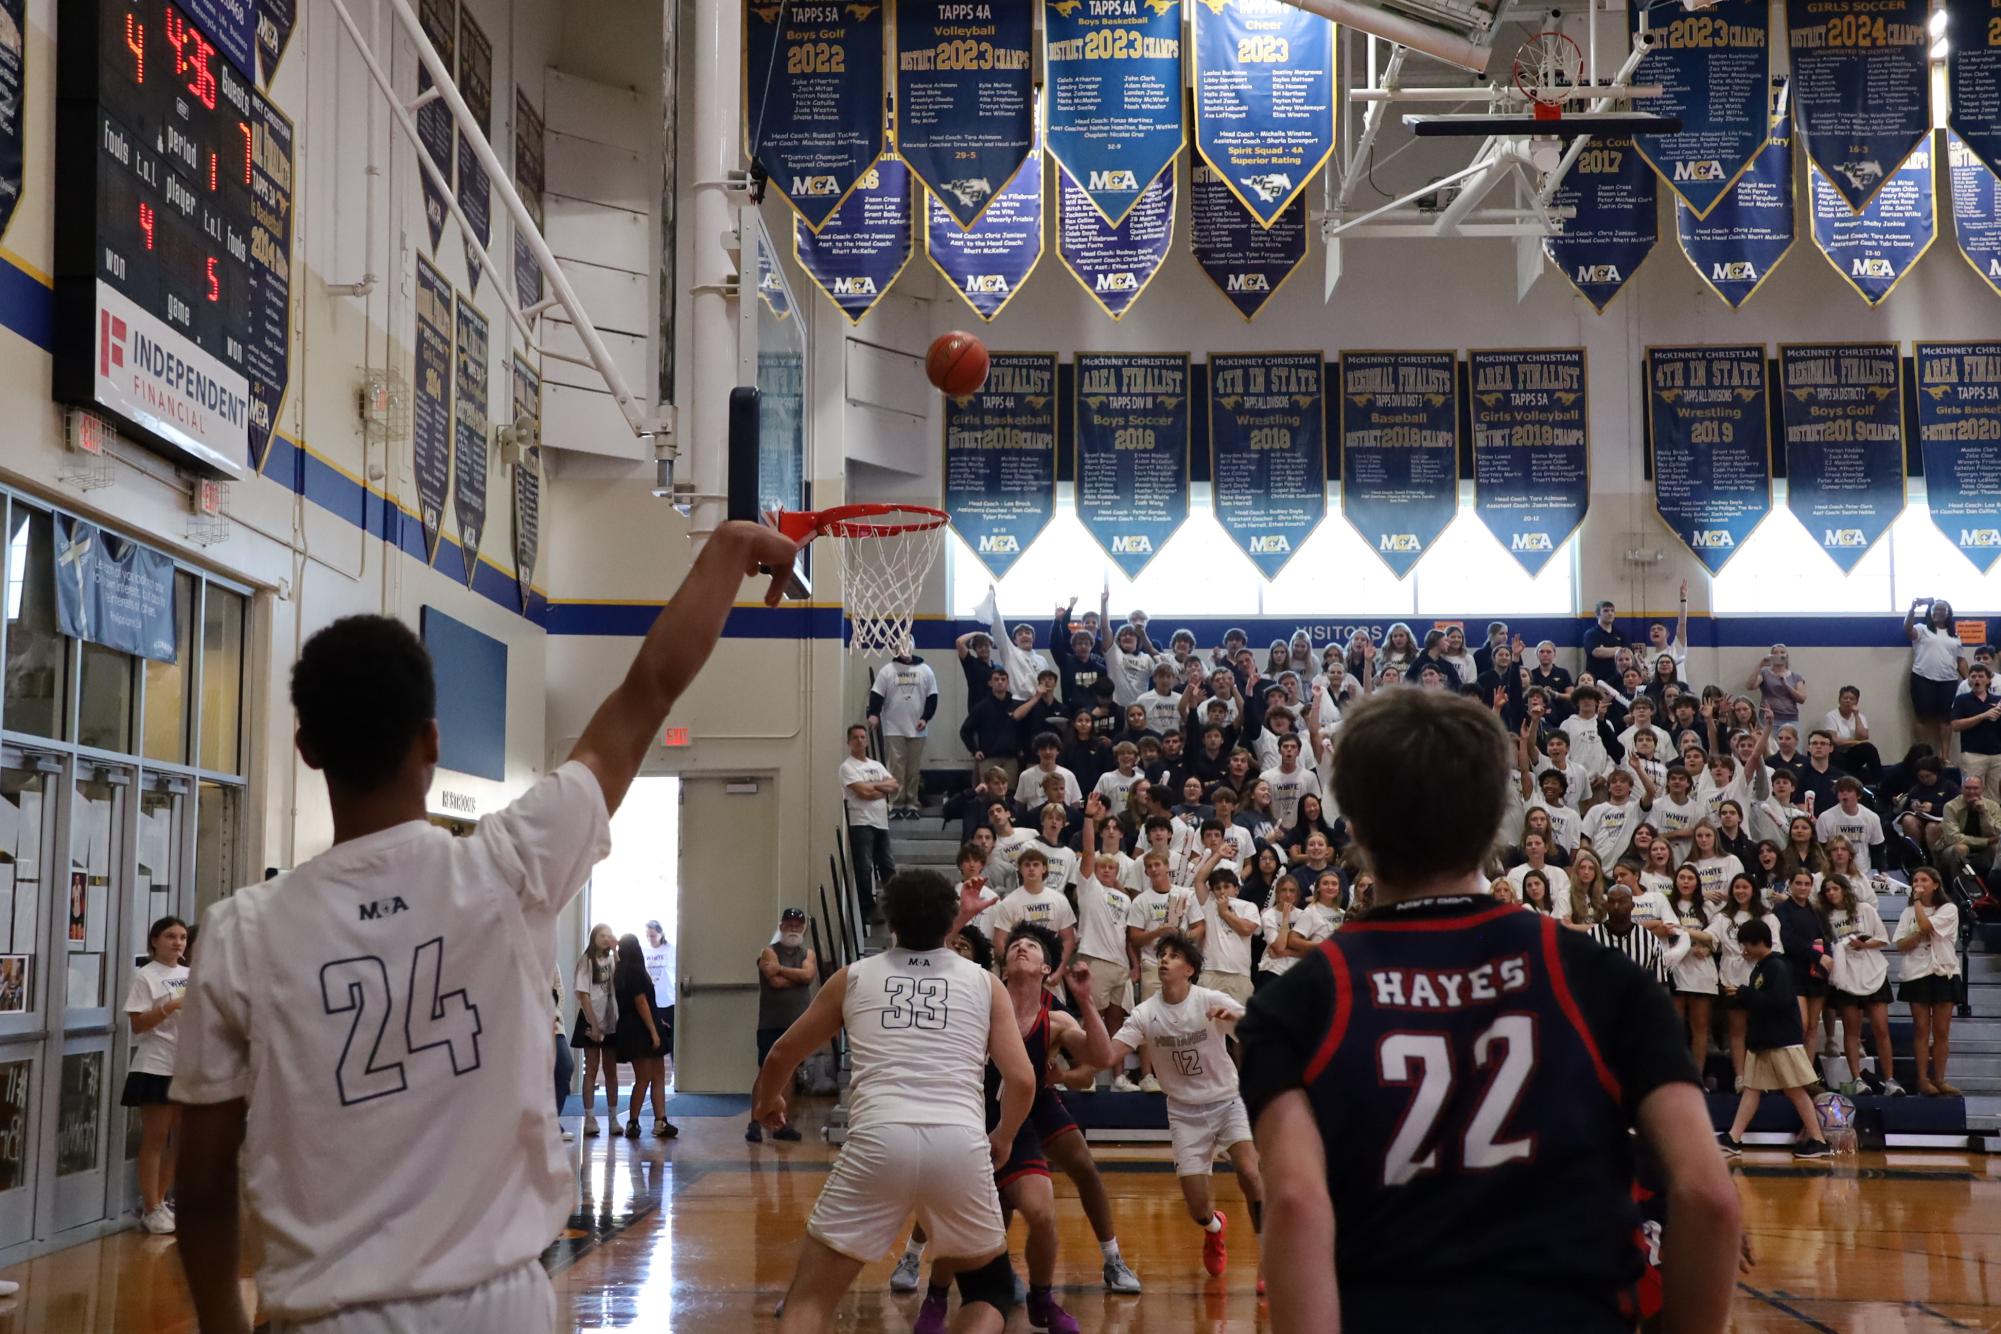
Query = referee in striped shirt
x=1655 y=946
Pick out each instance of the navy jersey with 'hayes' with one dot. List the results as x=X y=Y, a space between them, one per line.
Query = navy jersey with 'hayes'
x=1474 y=1069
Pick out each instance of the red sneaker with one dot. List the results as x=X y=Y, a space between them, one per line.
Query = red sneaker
x=1214 y=1255
x=1261 y=1283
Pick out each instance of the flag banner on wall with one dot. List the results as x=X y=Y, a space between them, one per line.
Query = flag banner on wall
x=1976 y=210
x=1247 y=262
x=1268 y=451
x=862 y=248
x=1712 y=435
x=1112 y=84
x=1750 y=229
x=431 y=403
x=1616 y=224
x=1875 y=248
x=1959 y=427
x=232 y=24
x=965 y=99
x=1132 y=452
x=771 y=286
x=13 y=108
x=472 y=428
x=114 y=592
x=530 y=172
x=1842 y=411
x=1114 y=261
x=1399 y=450
x=267 y=357
x=1861 y=87
x=435 y=127
x=476 y=86
x=1973 y=76
x=527 y=484
x=1714 y=70
x=275 y=21
x=1531 y=455
x=813 y=99
x=1000 y=459
x=987 y=263
x=1264 y=98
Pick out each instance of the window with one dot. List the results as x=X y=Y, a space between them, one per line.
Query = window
x=104 y=703
x=167 y=683
x=37 y=656
x=222 y=680
x=218 y=869
x=1468 y=572
x=1781 y=570
x=1925 y=563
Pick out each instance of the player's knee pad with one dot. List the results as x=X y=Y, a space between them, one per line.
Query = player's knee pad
x=992 y=1283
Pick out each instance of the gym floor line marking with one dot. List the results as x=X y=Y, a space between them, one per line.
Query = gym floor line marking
x=1778 y=1305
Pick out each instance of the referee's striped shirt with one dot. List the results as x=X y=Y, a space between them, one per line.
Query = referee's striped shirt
x=1640 y=945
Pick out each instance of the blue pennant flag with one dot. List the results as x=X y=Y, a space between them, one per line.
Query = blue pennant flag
x=1000 y=459
x=1268 y=451
x=1842 y=412
x=1399 y=450
x=813 y=93
x=1973 y=76
x=1875 y=248
x=1264 y=98
x=1531 y=455
x=1114 y=261
x=1602 y=246
x=1713 y=66
x=987 y=263
x=1709 y=420
x=1132 y=452
x=1861 y=87
x=1112 y=91
x=862 y=248
x=1976 y=210
x=1750 y=229
x=1247 y=262
x=965 y=102
x=1959 y=426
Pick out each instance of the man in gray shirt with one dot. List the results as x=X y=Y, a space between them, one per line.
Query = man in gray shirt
x=786 y=972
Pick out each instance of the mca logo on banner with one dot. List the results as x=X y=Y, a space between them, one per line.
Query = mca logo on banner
x=1114 y=262
x=1399 y=450
x=1602 y=246
x=1246 y=261
x=1842 y=412
x=1133 y=419
x=1750 y=229
x=813 y=99
x=1000 y=459
x=1707 y=416
x=1531 y=456
x=1959 y=427
x=863 y=246
x=1112 y=90
x=1875 y=247
x=987 y=263
x=1268 y=451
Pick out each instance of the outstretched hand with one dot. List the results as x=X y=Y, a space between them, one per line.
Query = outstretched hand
x=766 y=551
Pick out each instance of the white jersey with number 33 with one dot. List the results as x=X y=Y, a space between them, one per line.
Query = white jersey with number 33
x=917 y=1024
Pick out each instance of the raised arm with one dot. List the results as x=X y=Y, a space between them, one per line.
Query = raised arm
x=1911 y=621
x=1680 y=639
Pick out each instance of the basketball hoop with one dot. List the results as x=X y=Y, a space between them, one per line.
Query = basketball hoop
x=885 y=551
x=1547 y=70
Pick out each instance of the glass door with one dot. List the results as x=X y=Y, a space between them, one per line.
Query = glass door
x=27 y=834
x=159 y=883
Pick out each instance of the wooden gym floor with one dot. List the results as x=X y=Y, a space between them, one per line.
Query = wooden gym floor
x=699 y=1235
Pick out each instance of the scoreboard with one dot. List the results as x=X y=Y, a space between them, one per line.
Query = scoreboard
x=173 y=234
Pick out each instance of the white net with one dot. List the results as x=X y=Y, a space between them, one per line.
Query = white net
x=882 y=572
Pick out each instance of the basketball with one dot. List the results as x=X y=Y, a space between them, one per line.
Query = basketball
x=957 y=364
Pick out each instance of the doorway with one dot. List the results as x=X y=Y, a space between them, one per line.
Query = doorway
x=639 y=885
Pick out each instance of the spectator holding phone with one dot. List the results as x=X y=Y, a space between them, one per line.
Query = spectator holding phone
x=1937 y=662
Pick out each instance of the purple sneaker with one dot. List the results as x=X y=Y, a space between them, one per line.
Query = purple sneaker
x=931 y=1315
x=1044 y=1313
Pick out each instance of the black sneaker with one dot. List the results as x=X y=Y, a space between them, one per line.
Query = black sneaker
x=754 y=1135
x=1731 y=1146
x=790 y=1134
x=1813 y=1148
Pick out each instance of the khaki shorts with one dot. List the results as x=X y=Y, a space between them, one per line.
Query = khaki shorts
x=942 y=1173
x=1149 y=979
x=1111 y=983
x=1237 y=986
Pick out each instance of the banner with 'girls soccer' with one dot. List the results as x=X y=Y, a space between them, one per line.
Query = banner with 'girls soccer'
x=1112 y=84
x=1842 y=414
x=862 y=248
x=1707 y=412
x=1264 y=98
x=1750 y=229
x=1874 y=248
x=1246 y=261
x=1132 y=452
x=1268 y=451
x=1976 y=210
x=1614 y=226
x=1959 y=426
x=1114 y=261
x=1531 y=454
x=1399 y=450
x=987 y=263
x=1713 y=67
x=1973 y=76
x=813 y=92
x=1861 y=87
x=965 y=105
x=1000 y=459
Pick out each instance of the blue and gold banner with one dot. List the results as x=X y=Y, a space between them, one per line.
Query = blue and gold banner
x=1531 y=449
x=1602 y=246
x=1959 y=426
x=1268 y=451
x=431 y=403
x=1112 y=80
x=475 y=80
x=435 y=133
x=1264 y=98
x=1842 y=411
x=527 y=484
x=1132 y=452
x=1714 y=70
x=1000 y=459
x=1973 y=76
x=530 y=171
x=1750 y=229
x=1114 y=261
x=1399 y=450
x=1875 y=248
x=1247 y=262
x=267 y=355
x=1710 y=423
x=472 y=429
x=275 y=21
x=1861 y=87
x=965 y=102
x=13 y=108
x=862 y=248
x=813 y=94
x=1976 y=210
x=987 y=263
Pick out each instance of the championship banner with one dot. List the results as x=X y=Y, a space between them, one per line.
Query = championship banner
x=267 y=357
x=1712 y=436
x=1247 y=262
x=435 y=129
x=1114 y=261
x=987 y=263
x=1268 y=451
x=1000 y=459
x=1861 y=87
x=475 y=190
x=431 y=403
x=1750 y=229
x=1959 y=426
x=1399 y=450
x=1112 y=83
x=530 y=150
x=1976 y=210
x=471 y=430
x=1615 y=226
x=1714 y=70
x=527 y=484
x=1973 y=76
x=864 y=245
x=1132 y=452
x=1875 y=248
x=275 y=21
x=112 y=591
x=813 y=99
x=1531 y=456
x=1264 y=98
x=13 y=105
x=1842 y=412
x=965 y=99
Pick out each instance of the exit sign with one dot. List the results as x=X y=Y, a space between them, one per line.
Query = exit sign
x=674 y=736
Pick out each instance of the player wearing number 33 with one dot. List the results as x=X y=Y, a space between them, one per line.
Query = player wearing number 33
x=369 y=1033
x=1453 y=1083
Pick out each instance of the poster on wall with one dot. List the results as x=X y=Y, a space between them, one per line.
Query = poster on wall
x=987 y=263
x=15 y=1078
x=267 y=356
x=813 y=99
x=1973 y=76
x=1114 y=262
x=1842 y=413
x=1112 y=95
x=1708 y=414
x=1264 y=99
x=527 y=484
x=431 y=403
x=1531 y=456
x=1132 y=452
x=112 y=591
x=1750 y=229
x=1861 y=87
x=1399 y=450
x=862 y=248
x=476 y=87
x=1602 y=246
x=1959 y=428
x=1000 y=459
x=13 y=105
x=530 y=167
x=1246 y=261
x=1873 y=249
x=1713 y=67
x=1268 y=451
x=436 y=131
x=275 y=21
x=1976 y=210
x=472 y=430
x=965 y=98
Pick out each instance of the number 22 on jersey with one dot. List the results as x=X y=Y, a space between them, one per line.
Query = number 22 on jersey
x=1504 y=1055
x=372 y=1059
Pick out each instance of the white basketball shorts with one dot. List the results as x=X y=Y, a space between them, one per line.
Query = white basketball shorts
x=943 y=1174
x=518 y=1302
x=1200 y=1131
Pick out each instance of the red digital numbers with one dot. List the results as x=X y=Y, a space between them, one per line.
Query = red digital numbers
x=192 y=51
x=246 y=150
x=146 y=223
x=135 y=42
x=214 y=287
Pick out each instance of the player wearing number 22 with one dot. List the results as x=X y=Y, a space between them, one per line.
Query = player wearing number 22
x=369 y=1034
x=1453 y=1083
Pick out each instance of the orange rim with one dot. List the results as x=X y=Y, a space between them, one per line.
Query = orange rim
x=840 y=521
